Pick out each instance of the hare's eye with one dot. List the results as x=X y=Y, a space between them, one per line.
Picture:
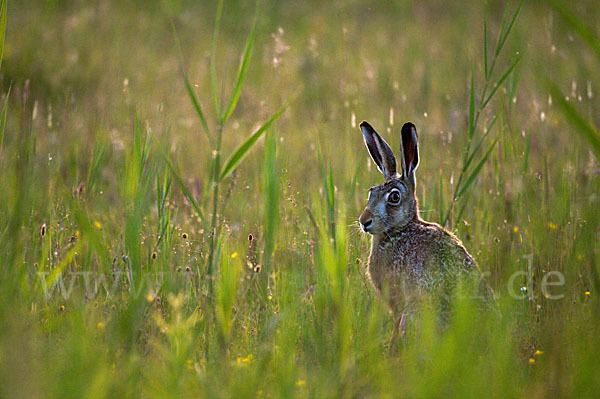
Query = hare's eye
x=394 y=197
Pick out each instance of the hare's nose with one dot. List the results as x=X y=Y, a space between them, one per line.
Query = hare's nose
x=365 y=220
x=364 y=225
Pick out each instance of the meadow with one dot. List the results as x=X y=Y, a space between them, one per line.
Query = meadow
x=181 y=183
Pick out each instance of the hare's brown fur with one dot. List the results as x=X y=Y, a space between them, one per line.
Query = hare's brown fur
x=411 y=259
x=420 y=260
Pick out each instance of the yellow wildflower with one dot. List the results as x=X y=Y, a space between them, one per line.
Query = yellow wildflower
x=531 y=360
x=300 y=383
x=552 y=226
x=244 y=360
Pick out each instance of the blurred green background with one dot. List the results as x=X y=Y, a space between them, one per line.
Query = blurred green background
x=107 y=176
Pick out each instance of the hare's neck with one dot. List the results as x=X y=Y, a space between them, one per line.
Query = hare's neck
x=410 y=217
x=396 y=236
x=412 y=220
x=381 y=244
x=416 y=218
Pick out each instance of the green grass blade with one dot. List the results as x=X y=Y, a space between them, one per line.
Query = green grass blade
x=480 y=142
x=472 y=109
x=64 y=262
x=97 y=158
x=213 y=61
x=198 y=108
x=330 y=185
x=186 y=190
x=245 y=61
x=583 y=30
x=476 y=170
x=238 y=155
x=500 y=81
x=485 y=49
x=526 y=154
x=499 y=38
x=506 y=32
x=189 y=87
x=584 y=127
x=329 y=189
x=271 y=194
x=3 y=119
x=161 y=233
x=2 y=29
x=331 y=204
x=357 y=169
x=323 y=171
x=464 y=205
x=158 y=194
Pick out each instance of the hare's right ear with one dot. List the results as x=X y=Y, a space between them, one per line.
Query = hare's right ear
x=380 y=151
x=410 y=151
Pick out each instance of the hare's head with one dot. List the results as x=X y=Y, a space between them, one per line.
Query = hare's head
x=392 y=205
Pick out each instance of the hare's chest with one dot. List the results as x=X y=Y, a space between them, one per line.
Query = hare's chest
x=380 y=268
x=393 y=267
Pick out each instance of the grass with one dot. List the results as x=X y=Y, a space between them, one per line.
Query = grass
x=170 y=229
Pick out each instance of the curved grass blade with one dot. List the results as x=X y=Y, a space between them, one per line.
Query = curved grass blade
x=583 y=126
x=239 y=154
x=472 y=109
x=500 y=81
x=245 y=61
x=186 y=190
x=583 y=30
x=189 y=86
x=3 y=119
x=476 y=170
x=505 y=32
x=480 y=142
x=96 y=163
x=197 y=107
x=464 y=205
x=66 y=260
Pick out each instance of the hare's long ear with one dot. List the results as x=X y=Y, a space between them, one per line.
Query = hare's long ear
x=380 y=151
x=410 y=151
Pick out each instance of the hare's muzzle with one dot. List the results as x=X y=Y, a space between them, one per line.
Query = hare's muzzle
x=366 y=220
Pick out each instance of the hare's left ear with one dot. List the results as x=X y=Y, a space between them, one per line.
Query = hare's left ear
x=410 y=151
x=380 y=151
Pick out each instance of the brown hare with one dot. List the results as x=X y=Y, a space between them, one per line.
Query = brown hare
x=412 y=261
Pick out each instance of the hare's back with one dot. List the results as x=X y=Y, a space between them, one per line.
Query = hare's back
x=442 y=249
